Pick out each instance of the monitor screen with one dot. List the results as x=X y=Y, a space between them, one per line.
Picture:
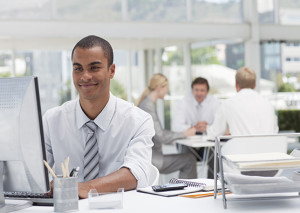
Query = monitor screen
x=22 y=148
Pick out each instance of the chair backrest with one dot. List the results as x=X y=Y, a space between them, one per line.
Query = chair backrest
x=154 y=176
x=254 y=145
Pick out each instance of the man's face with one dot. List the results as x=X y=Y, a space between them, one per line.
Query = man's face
x=200 y=91
x=91 y=74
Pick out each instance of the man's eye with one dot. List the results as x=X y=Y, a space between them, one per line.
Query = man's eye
x=95 y=68
x=77 y=69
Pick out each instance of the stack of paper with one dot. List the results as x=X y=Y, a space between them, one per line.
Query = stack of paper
x=264 y=161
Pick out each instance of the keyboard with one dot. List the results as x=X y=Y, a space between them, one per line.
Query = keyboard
x=38 y=199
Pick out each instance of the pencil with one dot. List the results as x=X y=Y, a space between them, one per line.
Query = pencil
x=202 y=195
x=49 y=169
x=67 y=160
x=63 y=170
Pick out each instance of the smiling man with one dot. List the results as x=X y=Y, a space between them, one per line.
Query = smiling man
x=107 y=137
x=197 y=109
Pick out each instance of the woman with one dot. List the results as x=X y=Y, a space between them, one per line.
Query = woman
x=184 y=162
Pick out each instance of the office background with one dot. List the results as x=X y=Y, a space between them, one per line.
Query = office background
x=182 y=39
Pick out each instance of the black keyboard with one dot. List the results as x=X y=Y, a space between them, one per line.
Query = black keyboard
x=38 y=199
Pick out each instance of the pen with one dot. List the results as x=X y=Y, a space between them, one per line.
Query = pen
x=49 y=169
x=74 y=172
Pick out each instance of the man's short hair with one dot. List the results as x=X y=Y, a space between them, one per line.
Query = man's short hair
x=95 y=41
x=245 y=78
x=200 y=80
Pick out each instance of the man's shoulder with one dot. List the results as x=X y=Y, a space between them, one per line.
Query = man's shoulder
x=212 y=98
x=126 y=108
x=60 y=110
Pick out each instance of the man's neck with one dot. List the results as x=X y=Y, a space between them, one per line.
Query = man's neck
x=92 y=108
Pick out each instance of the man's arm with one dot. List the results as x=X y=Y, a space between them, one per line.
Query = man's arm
x=137 y=158
x=122 y=178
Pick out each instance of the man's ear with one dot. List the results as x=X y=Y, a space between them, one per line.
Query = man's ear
x=112 y=71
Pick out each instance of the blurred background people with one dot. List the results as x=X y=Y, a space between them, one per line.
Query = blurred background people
x=166 y=163
x=198 y=110
x=247 y=113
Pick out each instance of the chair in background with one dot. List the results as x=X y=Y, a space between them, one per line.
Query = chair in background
x=154 y=176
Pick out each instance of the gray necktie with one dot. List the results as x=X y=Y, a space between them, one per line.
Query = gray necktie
x=91 y=154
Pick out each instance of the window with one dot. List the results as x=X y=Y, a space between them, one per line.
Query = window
x=218 y=64
x=173 y=68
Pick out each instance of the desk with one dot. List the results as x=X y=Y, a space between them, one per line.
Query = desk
x=140 y=202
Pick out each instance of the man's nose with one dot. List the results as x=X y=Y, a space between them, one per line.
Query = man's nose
x=86 y=75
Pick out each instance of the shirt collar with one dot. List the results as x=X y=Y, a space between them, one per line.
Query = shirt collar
x=195 y=102
x=103 y=119
x=246 y=90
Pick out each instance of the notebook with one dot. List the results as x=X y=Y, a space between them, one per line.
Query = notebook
x=194 y=185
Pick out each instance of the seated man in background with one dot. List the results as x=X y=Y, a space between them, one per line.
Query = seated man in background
x=197 y=110
x=247 y=113
x=107 y=137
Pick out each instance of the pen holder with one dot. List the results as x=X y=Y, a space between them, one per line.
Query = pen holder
x=65 y=194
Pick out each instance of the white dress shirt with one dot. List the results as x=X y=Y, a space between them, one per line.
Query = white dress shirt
x=247 y=113
x=189 y=112
x=124 y=136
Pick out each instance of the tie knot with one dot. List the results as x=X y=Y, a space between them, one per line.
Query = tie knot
x=91 y=125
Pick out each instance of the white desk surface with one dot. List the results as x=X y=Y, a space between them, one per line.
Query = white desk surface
x=195 y=143
x=140 y=202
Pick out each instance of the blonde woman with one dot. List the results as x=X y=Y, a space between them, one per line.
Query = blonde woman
x=184 y=162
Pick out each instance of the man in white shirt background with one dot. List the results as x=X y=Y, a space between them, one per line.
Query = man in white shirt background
x=107 y=137
x=196 y=110
x=247 y=113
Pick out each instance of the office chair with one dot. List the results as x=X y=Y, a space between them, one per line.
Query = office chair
x=154 y=175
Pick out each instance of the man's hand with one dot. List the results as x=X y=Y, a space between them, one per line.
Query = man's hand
x=121 y=178
x=201 y=126
x=84 y=188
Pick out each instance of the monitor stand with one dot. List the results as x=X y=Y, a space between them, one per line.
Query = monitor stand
x=10 y=205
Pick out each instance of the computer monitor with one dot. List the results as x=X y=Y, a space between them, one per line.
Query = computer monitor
x=22 y=147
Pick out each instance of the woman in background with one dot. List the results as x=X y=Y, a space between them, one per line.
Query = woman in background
x=184 y=162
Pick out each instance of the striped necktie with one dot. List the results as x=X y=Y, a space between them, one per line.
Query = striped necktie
x=91 y=154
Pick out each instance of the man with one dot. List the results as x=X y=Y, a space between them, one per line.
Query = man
x=247 y=113
x=197 y=109
x=108 y=138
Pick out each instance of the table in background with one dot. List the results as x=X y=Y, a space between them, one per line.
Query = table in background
x=199 y=142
